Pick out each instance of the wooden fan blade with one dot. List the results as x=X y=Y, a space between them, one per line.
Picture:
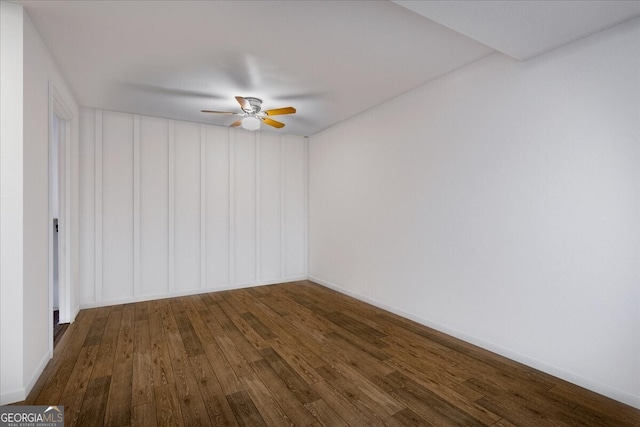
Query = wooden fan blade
x=273 y=123
x=280 y=111
x=236 y=123
x=244 y=104
x=217 y=112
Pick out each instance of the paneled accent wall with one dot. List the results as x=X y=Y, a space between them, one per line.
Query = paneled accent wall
x=170 y=207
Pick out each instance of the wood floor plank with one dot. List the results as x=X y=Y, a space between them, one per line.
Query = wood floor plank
x=596 y=404
x=310 y=328
x=226 y=375
x=339 y=341
x=94 y=402
x=245 y=410
x=504 y=423
x=289 y=376
x=94 y=336
x=206 y=332
x=142 y=393
x=381 y=399
x=415 y=365
x=594 y=418
x=259 y=327
x=289 y=345
x=246 y=314
x=168 y=412
x=194 y=308
x=144 y=415
x=514 y=414
x=81 y=373
x=234 y=357
x=407 y=417
x=119 y=402
x=141 y=312
x=284 y=396
x=458 y=365
x=356 y=327
x=107 y=350
x=298 y=358
x=345 y=405
x=306 y=315
x=357 y=397
x=295 y=354
x=269 y=408
x=243 y=344
x=213 y=396
x=192 y=343
x=473 y=354
x=206 y=299
x=72 y=406
x=461 y=402
x=277 y=303
x=325 y=414
x=375 y=372
x=254 y=338
x=411 y=392
x=219 y=315
x=167 y=318
x=190 y=399
x=527 y=403
x=211 y=320
x=160 y=358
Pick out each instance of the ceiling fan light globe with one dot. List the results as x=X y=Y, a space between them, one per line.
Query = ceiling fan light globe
x=251 y=123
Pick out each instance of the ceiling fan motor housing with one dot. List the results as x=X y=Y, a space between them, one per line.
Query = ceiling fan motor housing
x=256 y=104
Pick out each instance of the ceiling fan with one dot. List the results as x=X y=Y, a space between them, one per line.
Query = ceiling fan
x=252 y=114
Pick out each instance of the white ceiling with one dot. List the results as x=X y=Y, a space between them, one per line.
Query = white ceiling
x=329 y=59
x=523 y=29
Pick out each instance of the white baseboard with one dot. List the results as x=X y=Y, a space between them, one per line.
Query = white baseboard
x=595 y=386
x=12 y=397
x=21 y=394
x=34 y=378
x=75 y=313
x=218 y=288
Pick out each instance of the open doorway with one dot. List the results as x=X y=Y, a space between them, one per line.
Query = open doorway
x=57 y=147
x=59 y=215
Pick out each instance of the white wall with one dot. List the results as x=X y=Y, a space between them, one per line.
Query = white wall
x=500 y=204
x=170 y=207
x=40 y=74
x=27 y=73
x=11 y=200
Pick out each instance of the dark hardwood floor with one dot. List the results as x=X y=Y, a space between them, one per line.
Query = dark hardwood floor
x=295 y=354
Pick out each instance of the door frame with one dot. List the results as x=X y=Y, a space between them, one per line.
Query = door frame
x=59 y=107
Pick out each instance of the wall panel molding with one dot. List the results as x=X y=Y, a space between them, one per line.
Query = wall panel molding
x=232 y=210
x=117 y=205
x=258 y=202
x=203 y=206
x=306 y=206
x=217 y=205
x=171 y=269
x=243 y=205
x=98 y=205
x=283 y=203
x=154 y=205
x=136 y=206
